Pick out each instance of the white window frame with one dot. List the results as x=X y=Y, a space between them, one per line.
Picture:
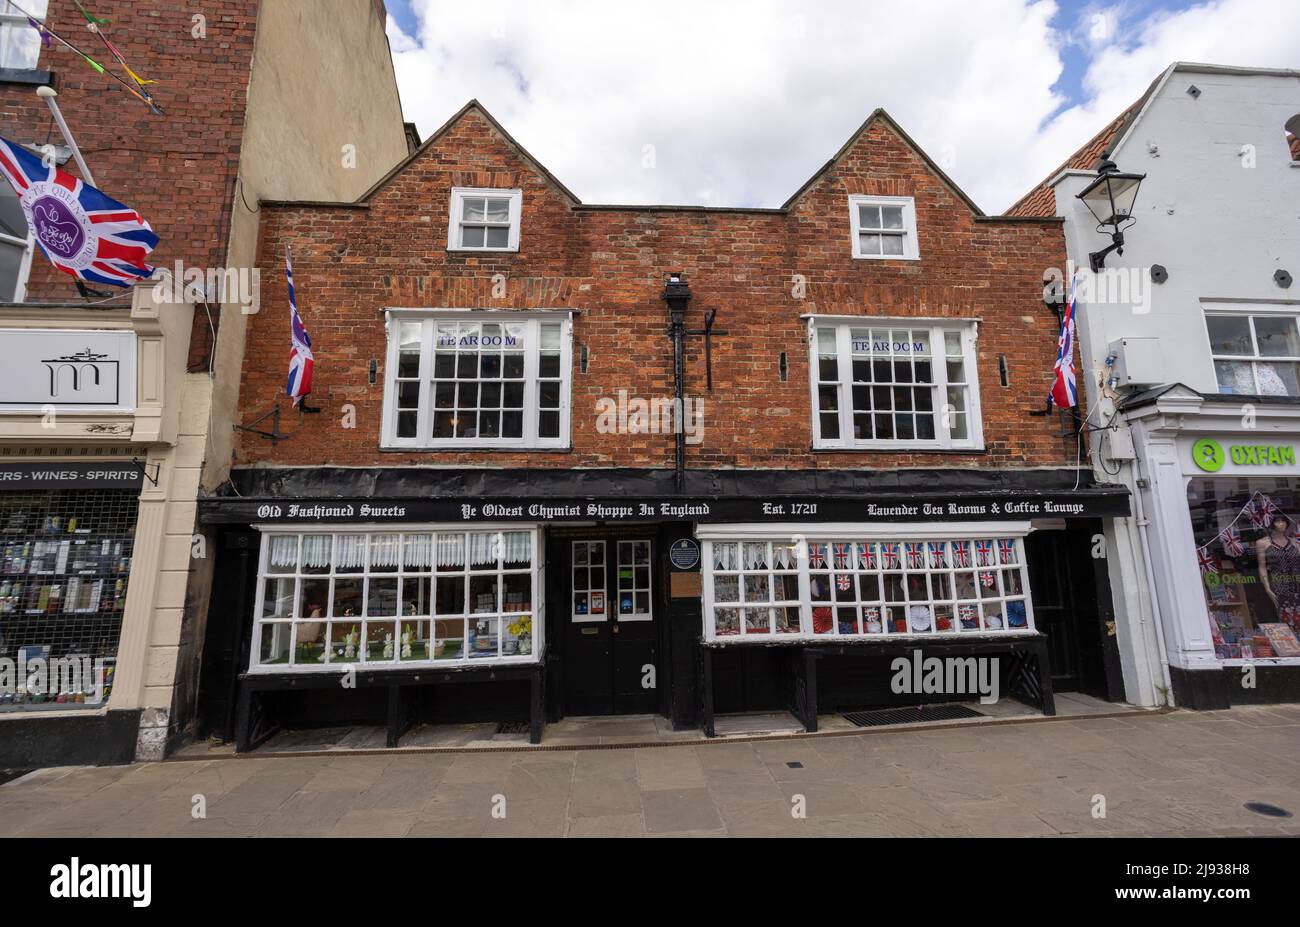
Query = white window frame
x=28 y=245
x=536 y=571
x=923 y=533
x=423 y=439
x=574 y=591
x=648 y=589
x=911 y=245
x=968 y=329
x=454 y=219
x=10 y=18
x=1250 y=311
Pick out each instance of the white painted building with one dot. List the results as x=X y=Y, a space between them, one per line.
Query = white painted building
x=1190 y=335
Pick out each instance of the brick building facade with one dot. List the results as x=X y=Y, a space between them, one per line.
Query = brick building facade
x=117 y=405
x=871 y=524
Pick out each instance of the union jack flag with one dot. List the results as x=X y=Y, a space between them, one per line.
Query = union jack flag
x=916 y=556
x=1233 y=545
x=301 y=359
x=988 y=580
x=1007 y=550
x=937 y=558
x=1262 y=511
x=817 y=554
x=1207 y=561
x=83 y=232
x=961 y=553
x=1065 y=391
x=841 y=556
x=984 y=553
x=866 y=556
x=889 y=556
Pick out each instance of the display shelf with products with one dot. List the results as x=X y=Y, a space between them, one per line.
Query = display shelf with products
x=65 y=562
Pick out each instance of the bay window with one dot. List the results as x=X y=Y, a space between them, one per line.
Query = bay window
x=387 y=599
x=894 y=383
x=477 y=379
x=848 y=584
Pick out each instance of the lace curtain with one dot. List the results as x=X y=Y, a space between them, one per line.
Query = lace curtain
x=415 y=552
x=419 y=552
x=517 y=547
x=451 y=550
x=284 y=550
x=384 y=549
x=316 y=550
x=350 y=553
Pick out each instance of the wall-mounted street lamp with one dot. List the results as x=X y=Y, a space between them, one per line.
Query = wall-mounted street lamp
x=1110 y=199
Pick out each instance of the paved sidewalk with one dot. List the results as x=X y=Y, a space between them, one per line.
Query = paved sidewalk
x=1182 y=773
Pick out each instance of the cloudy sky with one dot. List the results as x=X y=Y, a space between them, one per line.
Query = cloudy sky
x=738 y=102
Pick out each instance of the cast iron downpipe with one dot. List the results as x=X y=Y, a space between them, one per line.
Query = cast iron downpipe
x=677 y=294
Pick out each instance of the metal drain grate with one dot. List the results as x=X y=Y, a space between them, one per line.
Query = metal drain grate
x=512 y=727
x=912 y=715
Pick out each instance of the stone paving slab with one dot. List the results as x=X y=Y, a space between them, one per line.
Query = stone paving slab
x=1179 y=773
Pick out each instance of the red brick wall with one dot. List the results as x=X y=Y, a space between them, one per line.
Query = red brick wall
x=176 y=169
x=609 y=265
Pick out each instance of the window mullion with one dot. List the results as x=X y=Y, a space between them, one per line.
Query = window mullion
x=423 y=414
x=532 y=346
x=843 y=386
x=939 y=353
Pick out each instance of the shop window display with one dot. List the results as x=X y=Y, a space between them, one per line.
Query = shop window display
x=865 y=588
x=65 y=561
x=392 y=598
x=1247 y=534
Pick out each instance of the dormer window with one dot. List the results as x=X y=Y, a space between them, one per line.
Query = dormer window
x=484 y=219
x=884 y=228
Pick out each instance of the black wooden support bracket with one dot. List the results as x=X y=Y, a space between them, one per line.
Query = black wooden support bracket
x=275 y=434
x=708 y=332
x=144 y=469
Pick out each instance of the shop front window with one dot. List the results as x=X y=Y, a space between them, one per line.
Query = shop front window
x=864 y=587
x=65 y=558
x=1247 y=535
x=386 y=599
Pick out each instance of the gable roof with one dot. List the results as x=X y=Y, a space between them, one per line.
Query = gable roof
x=880 y=115
x=877 y=115
x=477 y=107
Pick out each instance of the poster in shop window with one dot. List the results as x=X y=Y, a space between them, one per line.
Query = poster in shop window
x=1247 y=534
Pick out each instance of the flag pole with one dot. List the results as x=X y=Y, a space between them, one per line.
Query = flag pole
x=48 y=94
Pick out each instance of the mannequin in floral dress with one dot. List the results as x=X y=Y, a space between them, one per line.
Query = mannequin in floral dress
x=1278 y=554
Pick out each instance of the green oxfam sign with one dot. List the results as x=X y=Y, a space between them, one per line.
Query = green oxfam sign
x=1210 y=455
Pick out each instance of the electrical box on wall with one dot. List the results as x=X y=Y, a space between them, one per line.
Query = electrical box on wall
x=1138 y=362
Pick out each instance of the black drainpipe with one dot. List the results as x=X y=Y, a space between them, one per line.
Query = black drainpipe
x=677 y=294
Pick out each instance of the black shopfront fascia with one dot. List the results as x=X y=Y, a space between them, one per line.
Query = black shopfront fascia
x=614 y=500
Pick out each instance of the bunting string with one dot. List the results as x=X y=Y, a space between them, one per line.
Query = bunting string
x=47 y=33
x=1249 y=506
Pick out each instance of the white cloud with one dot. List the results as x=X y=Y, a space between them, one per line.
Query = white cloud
x=742 y=100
